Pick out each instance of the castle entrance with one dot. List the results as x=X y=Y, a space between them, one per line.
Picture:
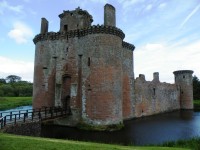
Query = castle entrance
x=65 y=95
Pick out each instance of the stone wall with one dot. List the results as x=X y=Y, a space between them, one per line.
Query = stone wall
x=28 y=129
x=153 y=97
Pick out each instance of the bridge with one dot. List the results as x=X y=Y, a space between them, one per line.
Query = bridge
x=30 y=115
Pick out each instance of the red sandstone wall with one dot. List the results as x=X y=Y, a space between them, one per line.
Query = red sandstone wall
x=44 y=77
x=128 y=84
x=101 y=79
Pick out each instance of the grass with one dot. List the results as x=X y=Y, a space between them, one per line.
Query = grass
x=196 y=104
x=12 y=102
x=14 y=142
x=193 y=143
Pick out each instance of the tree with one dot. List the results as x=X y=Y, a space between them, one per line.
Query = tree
x=13 y=78
x=2 y=81
x=196 y=88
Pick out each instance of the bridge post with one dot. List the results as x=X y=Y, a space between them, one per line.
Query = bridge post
x=11 y=116
x=39 y=114
x=15 y=118
x=1 y=123
x=24 y=117
x=45 y=113
x=4 y=121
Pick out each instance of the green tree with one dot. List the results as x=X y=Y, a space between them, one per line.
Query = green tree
x=7 y=90
x=2 y=81
x=13 y=78
x=196 y=88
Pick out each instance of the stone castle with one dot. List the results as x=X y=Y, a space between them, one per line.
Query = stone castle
x=89 y=70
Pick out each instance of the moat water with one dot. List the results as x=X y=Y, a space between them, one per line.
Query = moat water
x=147 y=130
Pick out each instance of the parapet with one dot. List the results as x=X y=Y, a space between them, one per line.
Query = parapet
x=128 y=46
x=80 y=33
x=182 y=71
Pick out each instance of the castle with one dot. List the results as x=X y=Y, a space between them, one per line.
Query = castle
x=89 y=70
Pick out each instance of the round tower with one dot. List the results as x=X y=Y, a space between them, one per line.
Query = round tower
x=109 y=15
x=183 y=78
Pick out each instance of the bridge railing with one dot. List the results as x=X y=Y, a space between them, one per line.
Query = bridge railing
x=43 y=113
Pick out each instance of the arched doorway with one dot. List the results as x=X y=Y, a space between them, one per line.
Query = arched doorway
x=65 y=96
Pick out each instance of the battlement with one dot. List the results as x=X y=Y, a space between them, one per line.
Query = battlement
x=95 y=29
x=128 y=46
x=183 y=71
x=78 y=11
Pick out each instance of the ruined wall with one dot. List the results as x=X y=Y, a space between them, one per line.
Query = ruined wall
x=153 y=97
x=28 y=129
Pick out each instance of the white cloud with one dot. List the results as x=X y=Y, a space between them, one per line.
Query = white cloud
x=149 y=7
x=153 y=46
x=20 y=33
x=16 y=67
x=162 y=5
x=165 y=59
x=5 y=6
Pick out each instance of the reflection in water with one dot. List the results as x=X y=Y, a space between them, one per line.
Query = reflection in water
x=148 y=130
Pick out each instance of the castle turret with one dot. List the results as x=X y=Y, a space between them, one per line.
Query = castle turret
x=109 y=15
x=44 y=26
x=183 y=78
x=76 y=19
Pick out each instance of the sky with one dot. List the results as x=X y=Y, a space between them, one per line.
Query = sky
x=166 y=33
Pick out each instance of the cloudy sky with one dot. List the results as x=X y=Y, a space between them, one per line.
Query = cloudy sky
x=166 y=33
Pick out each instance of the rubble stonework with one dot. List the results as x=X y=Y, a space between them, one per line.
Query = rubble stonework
x=89 y=70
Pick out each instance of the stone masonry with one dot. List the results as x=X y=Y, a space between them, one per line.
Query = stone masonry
x=89 y=70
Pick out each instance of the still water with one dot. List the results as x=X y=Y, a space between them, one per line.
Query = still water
x=147 y=130
x=15 y=110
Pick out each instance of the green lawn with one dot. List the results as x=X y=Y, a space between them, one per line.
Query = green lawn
x=193 y=143
x=196 y=104
x=12 y=102
x=14 y=142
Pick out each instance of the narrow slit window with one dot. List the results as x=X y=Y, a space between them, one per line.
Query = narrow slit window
x=88 y=61
x=66 y=51
x=183 y=76
x=66 y=28
x=154 y=91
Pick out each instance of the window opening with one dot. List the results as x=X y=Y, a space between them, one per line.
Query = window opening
x=66 y=27
x=88 y=61
x=154 y=91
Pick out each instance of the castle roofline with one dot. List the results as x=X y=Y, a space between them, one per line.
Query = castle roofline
x=96 y=29
x=76 y=11
x=128 y=45
x=183 y=71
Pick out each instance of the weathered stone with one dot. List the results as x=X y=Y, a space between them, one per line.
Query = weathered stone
x=89 y=70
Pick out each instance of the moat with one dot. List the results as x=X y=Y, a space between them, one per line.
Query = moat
x=148 y=130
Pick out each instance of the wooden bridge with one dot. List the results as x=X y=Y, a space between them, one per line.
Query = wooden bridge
x=30 y=115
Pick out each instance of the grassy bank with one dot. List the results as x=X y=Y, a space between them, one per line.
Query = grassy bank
x=196 y=104
x=12 y=102
x=14 y=142
x=193 y=143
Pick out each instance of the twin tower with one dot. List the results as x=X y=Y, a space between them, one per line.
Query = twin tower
x=89 y=70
